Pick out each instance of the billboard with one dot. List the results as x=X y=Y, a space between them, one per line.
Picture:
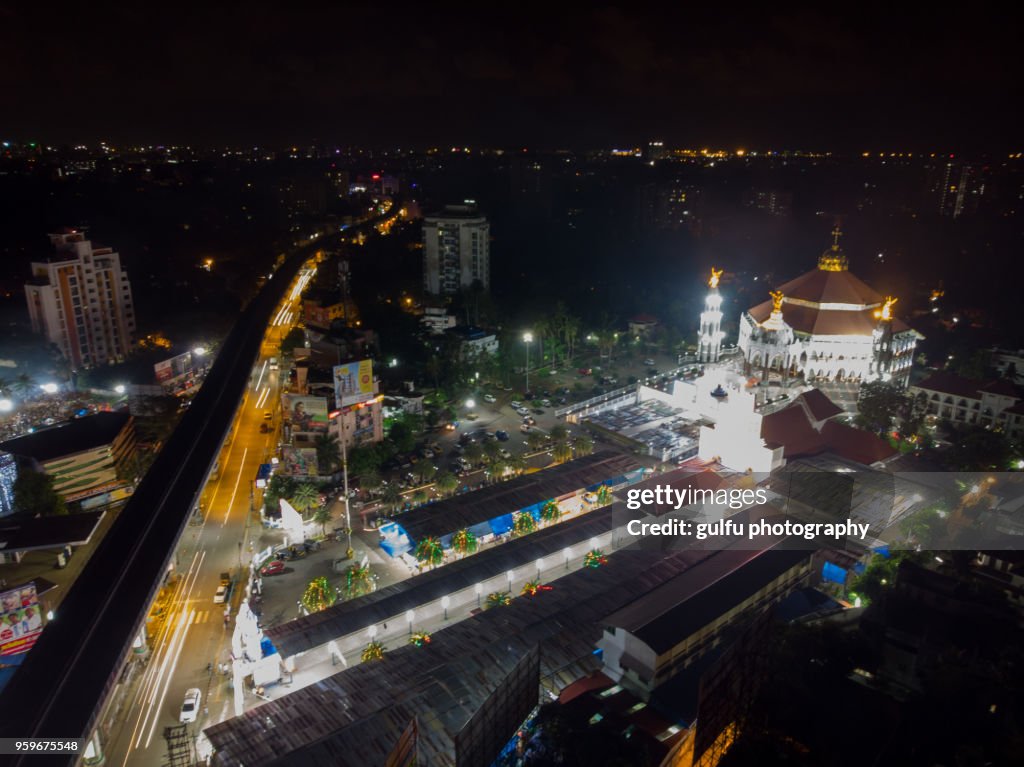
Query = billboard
x=21 y=622
x=353 y=382
x=299 y=461
x=305 y=414
x=176 y=367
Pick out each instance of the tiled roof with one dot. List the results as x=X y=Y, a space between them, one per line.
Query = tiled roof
x=950 y=383
x=819 y=405
x=826 y=287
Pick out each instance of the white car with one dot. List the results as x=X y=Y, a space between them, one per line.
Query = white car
x=515 y=405
x=190 y=706
x=221 y=595
x=489 y=398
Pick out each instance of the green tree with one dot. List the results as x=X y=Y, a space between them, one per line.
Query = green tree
x=328 y=453
x=535 y=440
x=498 y=599
x=559 y=433
x=296 y=337
x=550 y=512
x=425 y=471
x=975 y=448
x=280 y=486
x=319 y=595
x=446 y=483
x=402 y=435
x=321 y=517
x=392 y=496
x=305 y=497
x=878 y=406
x=374 y=651
x=562 y=452
x=34 y=494
x=429 y=552
x=370 y=480
x=492 y=450
x=364 y=459
x=473 y=453
x=464 y=542
x=583 y=445
x=358 y=581
x=523 y=523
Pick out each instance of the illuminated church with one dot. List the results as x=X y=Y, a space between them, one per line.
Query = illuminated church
x=826 y=325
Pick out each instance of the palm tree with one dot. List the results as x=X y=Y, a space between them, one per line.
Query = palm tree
x=499 y=468
x=562 y=452
x=464 y=542
x=304 y=498
x=319 y=595
x=523 y=523
x=498 y=599
x=535 y=440
x=372 y=652
x=446 y=483
x=550 y=512
x=491 y=450
x=419 y=496
x=322 y=516
x=369 y=480
x=517 y=463
x=425 y=471
x=391 y=496
x=358 y=581
x=583 y=445
x=559 y=433
x=473 y=453
x=328 y=453
x=429 y=552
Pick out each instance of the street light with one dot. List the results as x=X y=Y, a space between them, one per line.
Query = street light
x=527 y=339
x=470 y=403
x=6 y=406
x=479 y=591
x=409 y=615
x=120 y=389
x=199 y=351
x=509 y=574
x=568 y=553
x=49 y=388
x=540 y=565
x=445 y=601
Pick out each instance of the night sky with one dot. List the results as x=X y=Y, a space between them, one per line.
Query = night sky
x=541 y=76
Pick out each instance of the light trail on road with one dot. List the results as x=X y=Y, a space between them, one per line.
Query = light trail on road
x=262 y=399
x=262 y=371
x=241 y=468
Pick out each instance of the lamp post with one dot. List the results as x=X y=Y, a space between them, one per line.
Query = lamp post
x=479 y=591
x=409 y=615
x=527 y=339
x=445 y=601
x=509 y=575
x=349 y=553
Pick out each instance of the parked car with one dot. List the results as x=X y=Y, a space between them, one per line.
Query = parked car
x=502 y=435
x=649 y=362
x=585 y=371
x=190 y=706
x=525 y=427
x=515 y=405
x=505 y=454
x=274 y=568
x=529 y=420
x=545 y=403
x=221 y=596
x=490 y=398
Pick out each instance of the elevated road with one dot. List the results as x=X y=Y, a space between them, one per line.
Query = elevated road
x=65 y=680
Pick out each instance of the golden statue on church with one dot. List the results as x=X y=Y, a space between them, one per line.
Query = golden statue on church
x=776 y=300
x=885 y=313
x=715 y=276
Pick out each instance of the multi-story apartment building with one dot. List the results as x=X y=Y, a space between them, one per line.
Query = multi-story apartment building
x=456 y=250
x=81 y=301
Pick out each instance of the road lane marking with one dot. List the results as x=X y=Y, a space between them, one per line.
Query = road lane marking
x=238 y=479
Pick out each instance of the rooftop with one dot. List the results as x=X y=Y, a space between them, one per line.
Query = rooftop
x=68 y=438
x=464 y=511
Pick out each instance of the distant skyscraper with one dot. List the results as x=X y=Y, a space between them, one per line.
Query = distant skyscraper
x=959 y=187
x=82 y=302
x=771 y=201
x=456 y=250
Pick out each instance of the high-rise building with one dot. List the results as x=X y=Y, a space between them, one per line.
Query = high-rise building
x=456 y=250
x=959 y=187
x=81 y=301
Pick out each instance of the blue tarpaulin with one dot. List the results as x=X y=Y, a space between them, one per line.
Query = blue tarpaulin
x=480 y=530
x=834 y=573
x=501 y=525
x=267 y=647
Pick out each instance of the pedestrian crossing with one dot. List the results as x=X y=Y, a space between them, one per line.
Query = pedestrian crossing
x=201 y=616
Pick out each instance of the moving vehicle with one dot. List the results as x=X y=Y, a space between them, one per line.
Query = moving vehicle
x=273 y=363
x=221 y=596
x=190 y=706
x=268 y=416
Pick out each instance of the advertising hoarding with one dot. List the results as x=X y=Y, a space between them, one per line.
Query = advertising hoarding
x=21 y=621
x=174 y=368
x=299 y=461
x=305 y=414
x=353 y=382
